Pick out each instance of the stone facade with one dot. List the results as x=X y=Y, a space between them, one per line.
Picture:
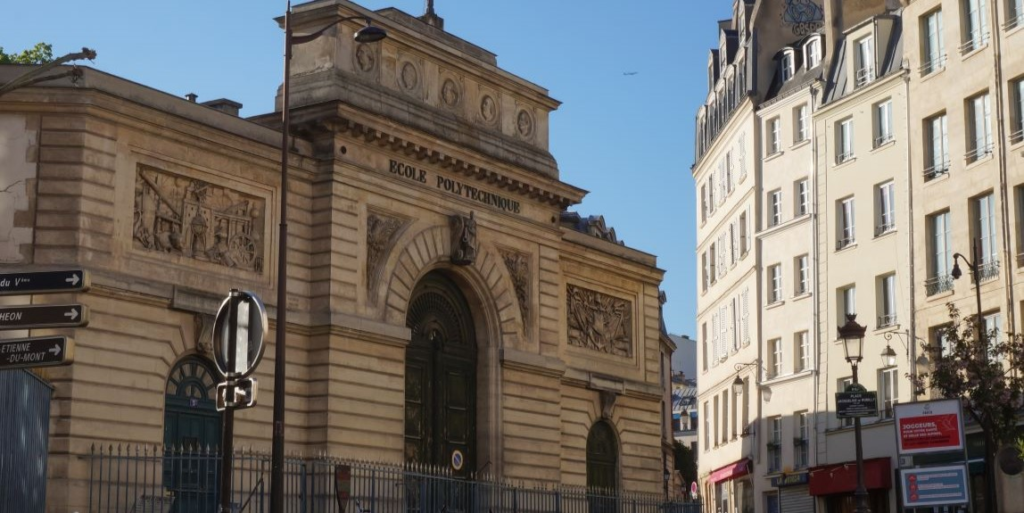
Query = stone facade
x=168 y=204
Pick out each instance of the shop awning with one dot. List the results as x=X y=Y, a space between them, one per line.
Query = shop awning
x=842 y=477
x=730 y=471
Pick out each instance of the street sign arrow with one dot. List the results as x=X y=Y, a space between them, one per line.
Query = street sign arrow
x=23 y=317
x=17 y=353
x=41 y=282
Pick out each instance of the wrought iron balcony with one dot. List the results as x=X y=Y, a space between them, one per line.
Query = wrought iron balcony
x=885 y=321
x=978 y=153
x=932 y=66
x=865 y=75
x=885 y=227
x=938 y=284
x=937 y=170
x=977 y=40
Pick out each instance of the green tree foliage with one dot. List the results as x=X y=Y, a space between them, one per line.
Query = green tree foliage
x=686 y=464
x=41 y=53
x=986 y=374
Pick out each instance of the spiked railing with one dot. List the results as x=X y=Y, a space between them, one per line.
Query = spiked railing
x=145 y=479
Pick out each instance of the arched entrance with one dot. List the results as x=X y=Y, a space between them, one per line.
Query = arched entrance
x=192 y=427
x=602 y=457
x=440 y=377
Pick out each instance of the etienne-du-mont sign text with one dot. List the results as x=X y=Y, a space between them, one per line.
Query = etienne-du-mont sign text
x=17 y=353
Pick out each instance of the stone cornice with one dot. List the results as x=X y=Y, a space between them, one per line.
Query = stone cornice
x=532 y=363
x=533 y=186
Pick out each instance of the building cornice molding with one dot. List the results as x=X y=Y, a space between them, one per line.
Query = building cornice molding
x=548 y=191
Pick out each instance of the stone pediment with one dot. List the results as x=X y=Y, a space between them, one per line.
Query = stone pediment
x=424 y=78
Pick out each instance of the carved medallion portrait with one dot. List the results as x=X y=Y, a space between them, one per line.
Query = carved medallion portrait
x=599 y=322
x=524 y=123
x=450 y=94
x=366 y=59
x=184 y=216
x=409 y=78
x=488 y=109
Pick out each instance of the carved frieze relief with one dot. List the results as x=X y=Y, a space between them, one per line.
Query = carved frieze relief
x=192 y=218
x=451 y=93
x=381 y=232
x=464 y=244
x=599 y=322
x=488 y=108
x=518 y=265
x=366 y=57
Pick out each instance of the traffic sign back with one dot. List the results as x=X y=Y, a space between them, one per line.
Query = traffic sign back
x=238 y=334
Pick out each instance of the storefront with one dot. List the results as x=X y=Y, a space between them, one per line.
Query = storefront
x=836 y=483
x=730 y=487
x=791 y=494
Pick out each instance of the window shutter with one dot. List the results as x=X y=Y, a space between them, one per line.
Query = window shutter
x=745 y=301
x=714 y=340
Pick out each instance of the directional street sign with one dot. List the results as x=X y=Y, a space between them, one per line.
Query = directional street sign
x=856 y=404
x=24 y=317
x=36 y=352
x=42 y=282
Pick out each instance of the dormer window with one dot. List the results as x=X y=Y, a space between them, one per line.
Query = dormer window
x=864 y=60
x=813 y=52
x=786 y=65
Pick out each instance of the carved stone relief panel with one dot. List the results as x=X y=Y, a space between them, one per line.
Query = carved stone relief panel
x=464 y=245
x=524 y=124
x=381 y=232
x=599 y=322
x=488 y=111
x=187 y=217
x=451 y=92
x=204 y=333
x=365 y=57
x=518 y=266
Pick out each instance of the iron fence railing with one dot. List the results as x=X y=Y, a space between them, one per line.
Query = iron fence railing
x=185 y=480
x=23 y=447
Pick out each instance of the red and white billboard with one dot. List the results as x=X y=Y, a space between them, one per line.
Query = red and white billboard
x=929 y=426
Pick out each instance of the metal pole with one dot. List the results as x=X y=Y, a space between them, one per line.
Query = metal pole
x=977 y=294
x=280 y=334
x=861 y=494
x=227 y=440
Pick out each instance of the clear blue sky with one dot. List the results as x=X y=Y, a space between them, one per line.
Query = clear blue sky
x=628 y=139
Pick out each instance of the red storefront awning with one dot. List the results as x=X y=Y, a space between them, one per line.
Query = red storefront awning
x=730 y=471
x=842 y=477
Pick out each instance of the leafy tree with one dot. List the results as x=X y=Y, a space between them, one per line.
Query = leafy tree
x=987 y=375
x=686 y=464
x=41 y=53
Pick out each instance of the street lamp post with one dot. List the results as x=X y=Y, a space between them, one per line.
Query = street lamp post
x=852 y=335
x=973 y=266
x=981 y=346
x=367 y=34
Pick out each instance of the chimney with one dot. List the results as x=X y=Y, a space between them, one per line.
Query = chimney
x=191 y=97
x=224 y=105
